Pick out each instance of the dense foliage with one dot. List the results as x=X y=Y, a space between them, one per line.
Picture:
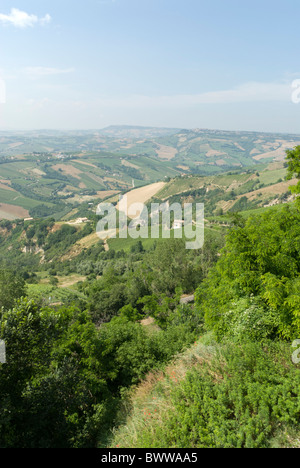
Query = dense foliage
x=64 y=377
x=293 y=162
x=246 y=397
x=253 y=291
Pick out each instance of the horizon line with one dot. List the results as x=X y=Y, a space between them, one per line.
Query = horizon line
x=178 y=129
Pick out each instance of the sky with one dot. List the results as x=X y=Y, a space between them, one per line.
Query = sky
x=71 y=65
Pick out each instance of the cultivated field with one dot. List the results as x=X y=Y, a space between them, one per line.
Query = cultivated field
x=140 y=195
x=11 y=212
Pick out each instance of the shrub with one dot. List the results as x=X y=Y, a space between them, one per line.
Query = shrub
x=241 y=399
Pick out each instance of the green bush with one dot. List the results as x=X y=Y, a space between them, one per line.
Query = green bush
x=261 y=260
x=241 y=399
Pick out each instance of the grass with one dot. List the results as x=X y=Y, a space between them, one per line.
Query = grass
x=149 y=405
x=49 y=295
x=180 y=185
x=271 y=177
x=258 y=211
x=127 y=244
x=16 y=199
x=215 y=395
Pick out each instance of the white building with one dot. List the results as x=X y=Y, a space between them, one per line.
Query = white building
x=178 y=224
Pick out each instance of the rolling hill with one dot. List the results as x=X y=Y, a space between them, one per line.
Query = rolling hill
x=54 y=173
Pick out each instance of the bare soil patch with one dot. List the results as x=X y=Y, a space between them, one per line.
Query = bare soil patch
x=278 y=154
x=166 y=152
x=6 y=187
x=85 y=163
x=11 y=212
x=68 y=170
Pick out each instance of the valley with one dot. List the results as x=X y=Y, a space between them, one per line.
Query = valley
x=51 y=174
x=128 y=329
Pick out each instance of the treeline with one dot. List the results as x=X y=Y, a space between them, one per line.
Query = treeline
x=65 y=375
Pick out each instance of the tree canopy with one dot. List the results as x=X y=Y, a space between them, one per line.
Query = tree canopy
x=293 y=161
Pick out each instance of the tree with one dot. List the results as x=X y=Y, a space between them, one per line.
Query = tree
x=293 y=160
x=12 y=288
x=261 y=265
x=53 y=281
x=172 y=266
x=51 y=385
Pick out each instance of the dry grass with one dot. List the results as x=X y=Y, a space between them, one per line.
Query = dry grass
x=68 y=170
x=6 y=187
x=68 y=281
x=221 y=162
x=84 y=163
x=166 y=152
x=279 y=154
x=140 y=195
x=89 y=241
x=277 y=189
x=150 y=404
x=183 y=168
x=211 y=153
x=129 y=164
x=107 y=193
x=15 y=145
x=77 y=248
x=38 y=172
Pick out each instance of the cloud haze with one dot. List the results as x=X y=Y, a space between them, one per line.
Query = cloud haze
x=21 y=19
x=40 y=72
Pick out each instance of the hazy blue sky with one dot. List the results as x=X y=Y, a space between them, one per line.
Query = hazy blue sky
x=226 y=64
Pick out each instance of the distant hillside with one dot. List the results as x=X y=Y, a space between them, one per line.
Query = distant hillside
x=47 y=173
x=232 y=191
x=118 y=131
x=204 y=150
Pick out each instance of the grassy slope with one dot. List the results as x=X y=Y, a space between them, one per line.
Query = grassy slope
x=259 y=187
x=149 y=404
x=150 y=407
